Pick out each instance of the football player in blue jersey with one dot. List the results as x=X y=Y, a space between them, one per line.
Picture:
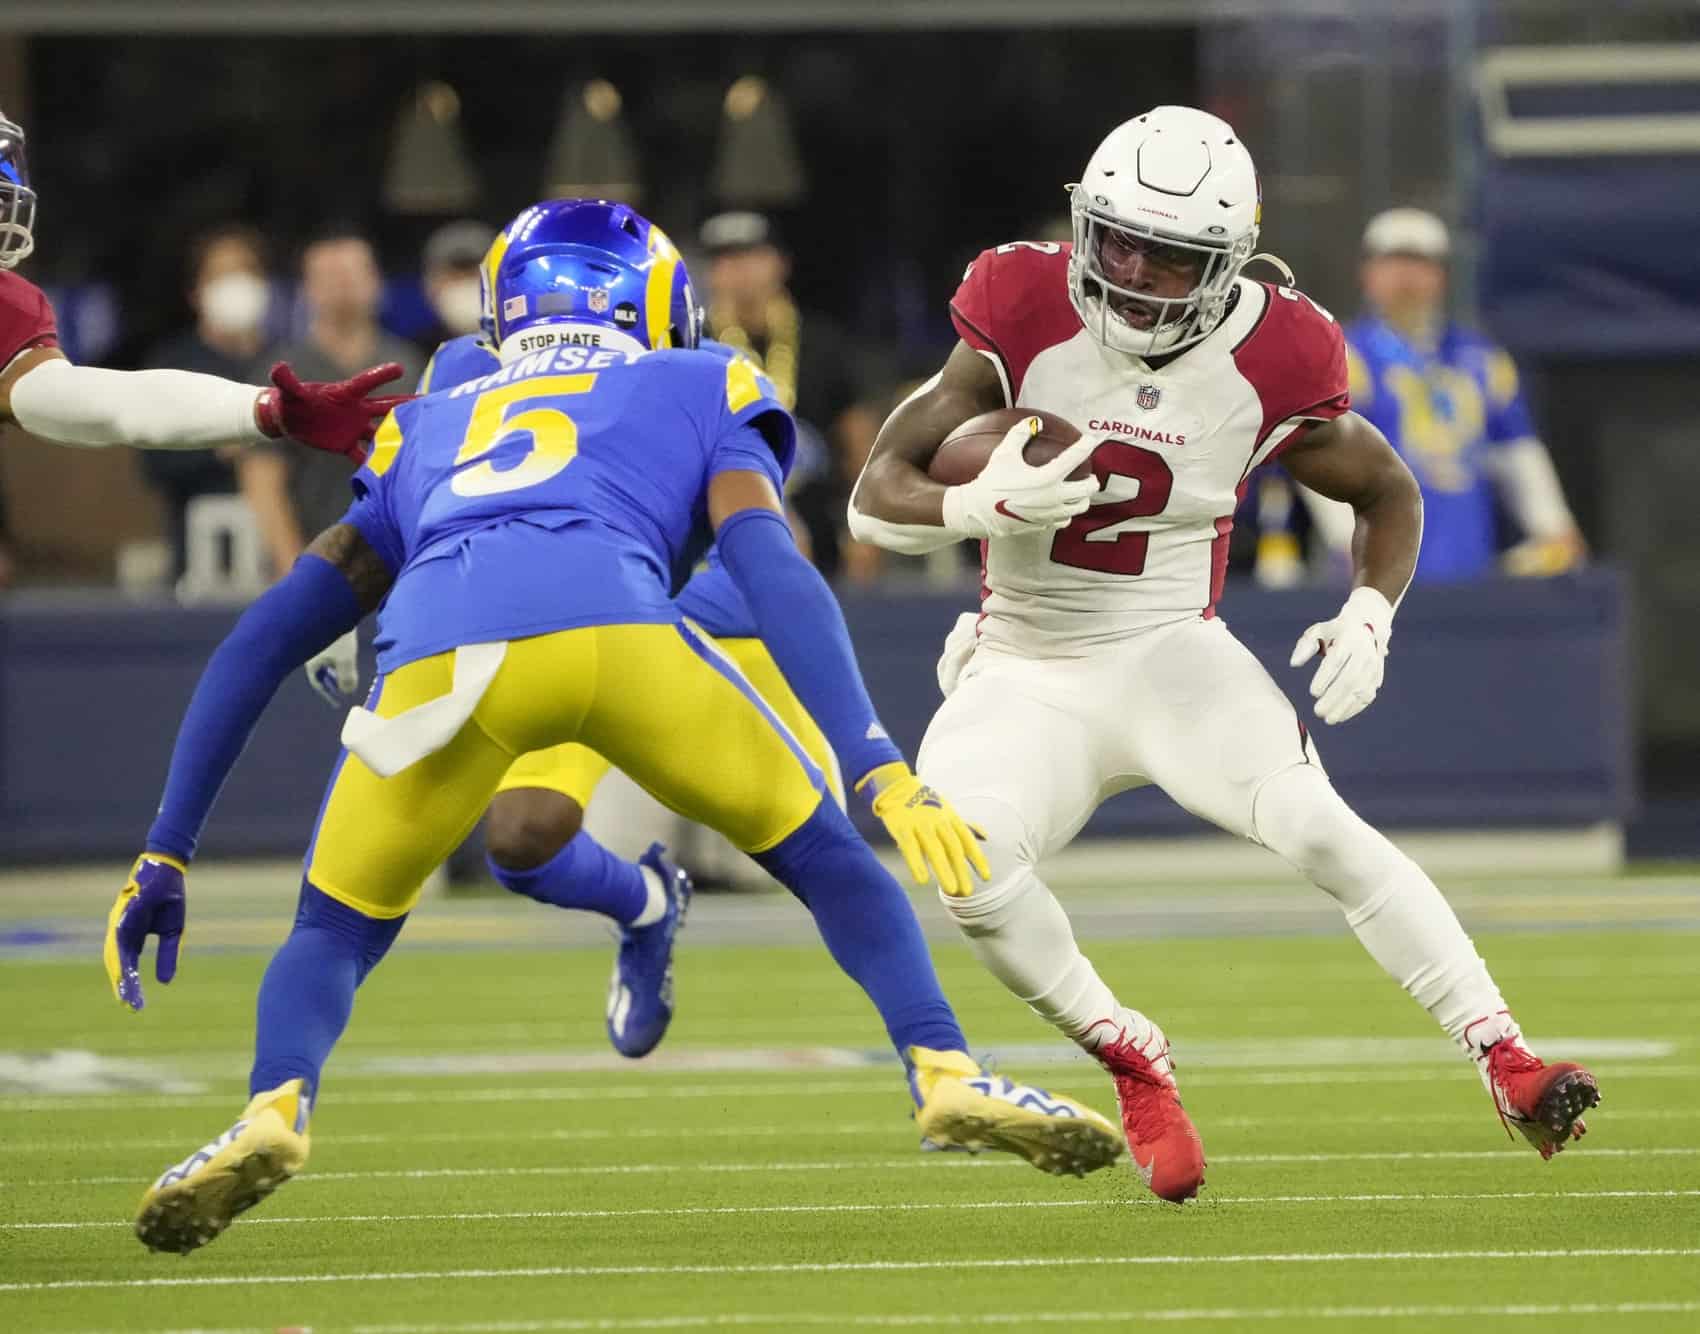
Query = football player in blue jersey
x=533 y=834
x=525 y=531
x=1447 y=398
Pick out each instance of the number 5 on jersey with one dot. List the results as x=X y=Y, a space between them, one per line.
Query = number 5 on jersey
x=496 y=424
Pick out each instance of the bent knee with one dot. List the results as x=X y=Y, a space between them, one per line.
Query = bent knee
x=527 y=826
x=1301 y=818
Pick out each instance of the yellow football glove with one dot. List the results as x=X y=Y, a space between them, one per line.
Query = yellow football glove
x=926 y=828
x=1541 y=558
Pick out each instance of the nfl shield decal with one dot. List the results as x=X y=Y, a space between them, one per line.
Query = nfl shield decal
x=1148 y=396
x=597 y=299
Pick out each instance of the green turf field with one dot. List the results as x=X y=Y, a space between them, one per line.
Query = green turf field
x=481 y=1164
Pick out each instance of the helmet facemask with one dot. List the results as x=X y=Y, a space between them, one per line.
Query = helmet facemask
x=17 y=200
x=1140 y=322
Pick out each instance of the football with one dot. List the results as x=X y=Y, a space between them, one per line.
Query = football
x=965 y=450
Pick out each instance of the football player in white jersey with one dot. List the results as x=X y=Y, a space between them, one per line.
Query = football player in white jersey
x=1096 y=662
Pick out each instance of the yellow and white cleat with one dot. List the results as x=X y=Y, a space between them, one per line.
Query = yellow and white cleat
x=960 y=1106
x=196 y=1200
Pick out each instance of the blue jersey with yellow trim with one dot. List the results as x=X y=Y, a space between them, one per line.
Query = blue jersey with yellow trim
x=1444 y=407
x=711 y=599
x=566 y=489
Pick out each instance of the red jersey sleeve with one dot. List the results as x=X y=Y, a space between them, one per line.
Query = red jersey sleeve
x=26 y=318
x=1295 y=358
x=1012 y=304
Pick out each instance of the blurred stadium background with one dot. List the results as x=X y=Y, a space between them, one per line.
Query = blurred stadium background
x=1537 y=743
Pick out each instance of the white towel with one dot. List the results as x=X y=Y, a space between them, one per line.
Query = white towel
x=389 y=745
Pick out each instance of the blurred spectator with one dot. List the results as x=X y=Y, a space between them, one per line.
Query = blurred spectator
x=1448 y=399
x=828 y=380
x=229 y=292
x=295 y=493
x=452 y=260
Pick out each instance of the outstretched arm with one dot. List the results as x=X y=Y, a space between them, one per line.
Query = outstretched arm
x=1347 y=459
x=166 y=409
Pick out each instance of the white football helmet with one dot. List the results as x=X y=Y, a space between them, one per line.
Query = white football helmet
x=1176 y=188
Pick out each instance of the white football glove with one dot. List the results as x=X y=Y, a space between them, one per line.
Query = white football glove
x=958 y=648
x=335 y=673
x=1011 y=496
x=1354 y=649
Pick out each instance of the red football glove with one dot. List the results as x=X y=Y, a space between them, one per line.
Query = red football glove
x=335 y=416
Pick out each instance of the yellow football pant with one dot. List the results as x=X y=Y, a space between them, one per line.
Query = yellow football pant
x=662 y=702
x=575 y=770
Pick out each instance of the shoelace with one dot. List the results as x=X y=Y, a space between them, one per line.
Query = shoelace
x=1505 y=1058
x=1144 y=1118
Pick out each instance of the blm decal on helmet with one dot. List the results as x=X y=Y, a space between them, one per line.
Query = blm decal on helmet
x=1148 y=397
x=625 y=314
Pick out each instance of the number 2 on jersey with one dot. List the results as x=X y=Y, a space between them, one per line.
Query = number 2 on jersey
x=494 y=423
x=1096 y=539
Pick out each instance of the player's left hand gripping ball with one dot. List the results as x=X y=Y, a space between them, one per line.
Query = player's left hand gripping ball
x=152 y=903
x=926 y=828
x=332 y=415
x=1354 y=650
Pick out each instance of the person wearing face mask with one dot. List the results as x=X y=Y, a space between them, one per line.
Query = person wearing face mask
x=230 y=294
x=450 y=265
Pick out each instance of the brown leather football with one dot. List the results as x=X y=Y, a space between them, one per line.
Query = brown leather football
x=965 y=450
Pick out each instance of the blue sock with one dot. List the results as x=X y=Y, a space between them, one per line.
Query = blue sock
x=308 y=991
x=584 y=874
x=867 y=922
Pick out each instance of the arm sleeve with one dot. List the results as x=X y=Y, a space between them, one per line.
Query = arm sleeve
x=1524 y=473
x=799 y=621
x=301 y=615
x=86 y=405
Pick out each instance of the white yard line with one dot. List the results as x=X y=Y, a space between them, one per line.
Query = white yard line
x=951 y=1319
x=955 y=1263
x=886 y=1085
x=959 y=1320
x=902 y=1206
x=951 y=1162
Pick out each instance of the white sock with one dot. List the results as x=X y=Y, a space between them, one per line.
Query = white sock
x=655 y=906
x=1397 y=912
x=1022 y=935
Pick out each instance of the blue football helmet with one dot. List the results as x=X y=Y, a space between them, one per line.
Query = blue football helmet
x=17 y=200
x=589 y=262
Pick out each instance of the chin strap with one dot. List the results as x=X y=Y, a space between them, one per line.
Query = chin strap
x=1275 y=262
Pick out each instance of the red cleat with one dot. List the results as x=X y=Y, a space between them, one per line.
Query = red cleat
x=1161 y=1138
x=1543 y=1101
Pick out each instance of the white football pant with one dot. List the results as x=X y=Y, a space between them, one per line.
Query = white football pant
x=1028 y=748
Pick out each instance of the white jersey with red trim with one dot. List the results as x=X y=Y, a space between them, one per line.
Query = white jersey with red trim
x=1179 y=442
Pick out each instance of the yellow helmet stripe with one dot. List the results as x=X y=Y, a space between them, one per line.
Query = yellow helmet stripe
x=658 y=292
x=493 y=258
